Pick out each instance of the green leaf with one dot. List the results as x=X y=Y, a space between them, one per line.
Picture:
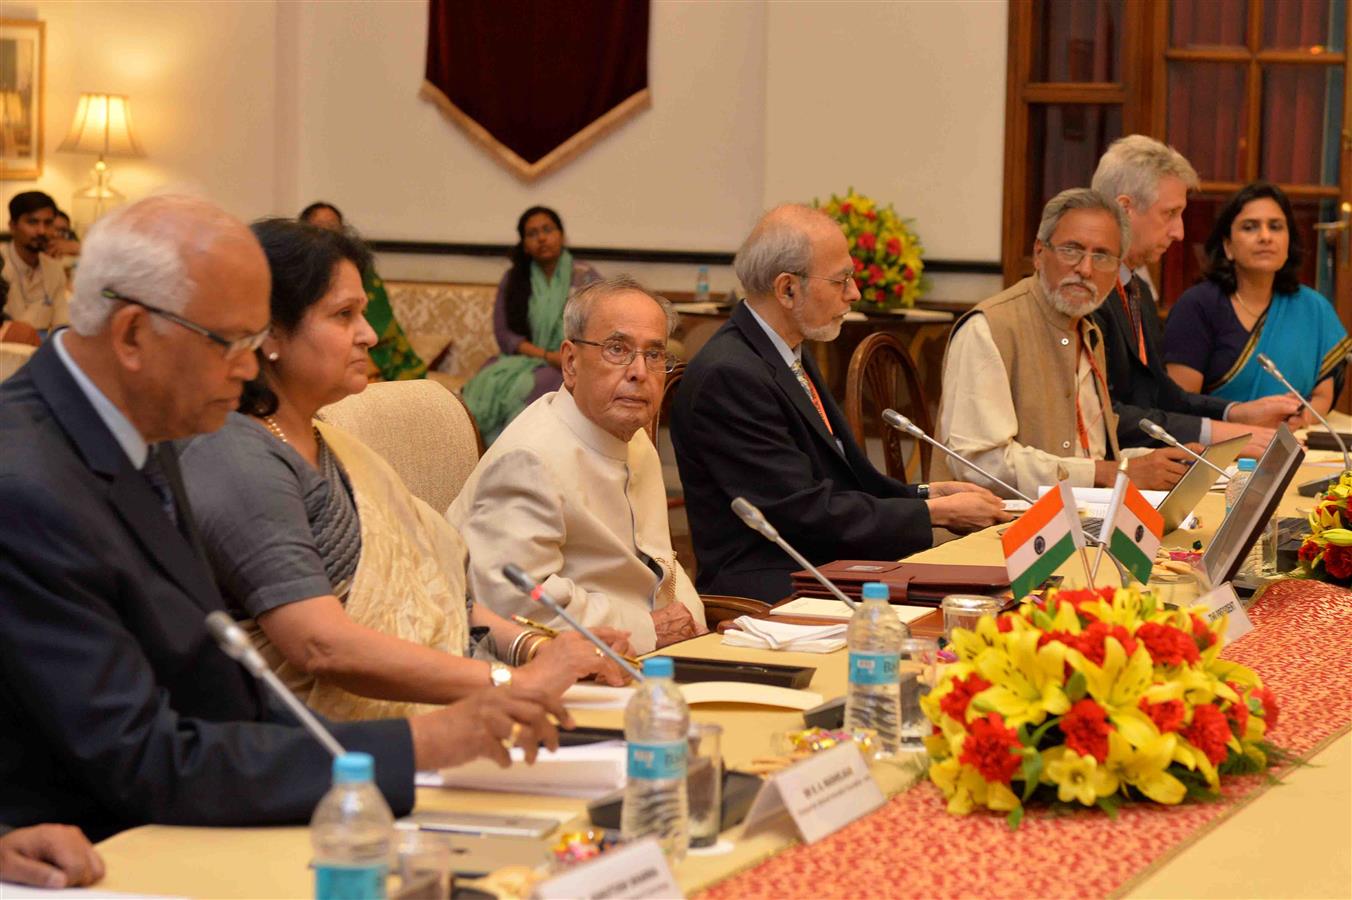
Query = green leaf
x=1077 y=686
x=1014 y=818
x=1031 y=771
x=1109 y=805
x=1042 y=620
x=1043 y=728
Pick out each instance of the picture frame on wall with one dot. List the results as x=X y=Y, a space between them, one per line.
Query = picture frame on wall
x=23 y=55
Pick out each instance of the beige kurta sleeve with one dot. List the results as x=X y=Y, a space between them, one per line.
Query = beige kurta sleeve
x=979 y=422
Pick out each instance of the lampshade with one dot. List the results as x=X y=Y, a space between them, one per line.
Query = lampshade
x=102 y=125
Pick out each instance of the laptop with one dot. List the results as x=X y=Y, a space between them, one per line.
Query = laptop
x=1255 y=506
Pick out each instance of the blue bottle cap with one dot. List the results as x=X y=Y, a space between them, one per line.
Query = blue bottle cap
x=658 y=667
x=876 y=590
x=349 y=768
x=1247 y=465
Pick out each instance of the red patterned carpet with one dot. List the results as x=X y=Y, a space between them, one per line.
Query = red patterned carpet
x=913 y=848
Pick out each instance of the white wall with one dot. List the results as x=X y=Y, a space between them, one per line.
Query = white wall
x=266 y=105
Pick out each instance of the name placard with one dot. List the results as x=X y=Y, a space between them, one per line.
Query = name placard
x=1223 y=601
x=822 y=794
x=637 y=871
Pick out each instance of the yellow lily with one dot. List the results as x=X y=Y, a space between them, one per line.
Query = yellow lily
x=1119 y=684
x=1146 y=767
x=1026 y=680
x=1077 y=777
x=969 y=645
x=966 y=789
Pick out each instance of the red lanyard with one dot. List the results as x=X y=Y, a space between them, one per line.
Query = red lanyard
x=1079 y=414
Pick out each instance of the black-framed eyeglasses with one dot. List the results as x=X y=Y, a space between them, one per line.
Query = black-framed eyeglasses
x=231 y=347
x=619 y=353
x=1071 y=254
x=842 y=283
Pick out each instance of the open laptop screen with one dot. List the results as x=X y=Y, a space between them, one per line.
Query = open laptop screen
x=1255 y=506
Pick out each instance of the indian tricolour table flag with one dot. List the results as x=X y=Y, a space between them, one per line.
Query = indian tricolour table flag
x=1042 y=539
x=1131 y=528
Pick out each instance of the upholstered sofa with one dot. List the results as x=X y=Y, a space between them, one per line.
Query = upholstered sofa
x=449 y=325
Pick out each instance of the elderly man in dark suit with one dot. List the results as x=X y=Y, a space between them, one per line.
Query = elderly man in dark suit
x=752 y=418
x=118 y=708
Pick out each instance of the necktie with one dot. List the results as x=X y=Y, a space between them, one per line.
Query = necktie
x=1132 y=296
x=153 y=470
x=811 y=392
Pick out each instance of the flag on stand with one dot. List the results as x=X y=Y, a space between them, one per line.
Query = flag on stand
x=1042 y=539
x=1131 y=529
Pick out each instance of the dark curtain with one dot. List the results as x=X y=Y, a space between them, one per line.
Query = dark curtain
x=532 y=75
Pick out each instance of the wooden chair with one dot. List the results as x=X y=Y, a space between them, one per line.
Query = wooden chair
x=668 y=394
x=882 y=370
x=12 y=357
x=422 y=430
x=719 y=609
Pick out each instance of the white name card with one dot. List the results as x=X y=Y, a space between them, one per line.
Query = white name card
x=1223 y=601
x=822 y=794
x=636 y=871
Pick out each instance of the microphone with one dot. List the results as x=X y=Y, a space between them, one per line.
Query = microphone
x=1319 y=484
x=1159 y=434
x=527 y=585
x=901 y=423
x=756 y=521
x=235 y=644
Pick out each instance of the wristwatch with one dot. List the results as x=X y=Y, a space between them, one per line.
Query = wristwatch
x=922 y=491
x=499 y=675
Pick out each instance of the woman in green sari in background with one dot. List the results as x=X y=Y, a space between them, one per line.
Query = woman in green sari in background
x=528 y=323
x=392 y=355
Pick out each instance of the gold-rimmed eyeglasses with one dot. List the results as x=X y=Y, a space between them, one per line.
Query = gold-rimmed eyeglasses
x=619 y=353
x=230 y=346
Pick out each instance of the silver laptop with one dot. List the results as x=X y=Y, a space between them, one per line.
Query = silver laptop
x=1255 y=506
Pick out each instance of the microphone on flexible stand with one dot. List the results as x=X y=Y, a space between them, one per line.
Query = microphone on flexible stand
x=756 y=521
x=235 y=644
x=901 y=423
x=1319 y=485
x=1164 y=437
x=528 y=586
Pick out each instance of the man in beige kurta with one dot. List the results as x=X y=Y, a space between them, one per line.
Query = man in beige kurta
x=1025 y=394
x=572 y=490
x=38 y=294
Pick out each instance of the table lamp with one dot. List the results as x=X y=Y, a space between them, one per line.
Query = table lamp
x=102 y=125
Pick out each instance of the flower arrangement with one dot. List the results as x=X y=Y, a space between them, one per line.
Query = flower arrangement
x=1093 y=698
x=887 y=255
x=1326 y=552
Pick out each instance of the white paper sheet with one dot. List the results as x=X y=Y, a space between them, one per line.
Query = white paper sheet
x=592 y=770
x=834 y=609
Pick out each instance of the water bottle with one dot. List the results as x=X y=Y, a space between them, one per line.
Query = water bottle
x=873 y=698
x=656 y=726
x=1238 y=482
x=702 y=285
x=352 y=832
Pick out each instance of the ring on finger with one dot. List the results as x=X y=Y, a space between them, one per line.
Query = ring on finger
x=510 y=740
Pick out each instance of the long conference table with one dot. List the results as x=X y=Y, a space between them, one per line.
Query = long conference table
x=1294 y=840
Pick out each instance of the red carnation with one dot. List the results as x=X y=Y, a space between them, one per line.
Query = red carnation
x=1238 y=714
x=1308 y=551
x=868 y=240
x=1168 y=645
x=1005 y=624
x=1201 y=634
x=992 y=749
x=908 y=273
x=899 y=289
x=875 y=274
x=846 y=208
x=1338 y=561
x=955 y=702
x=1092 y=641
x=894 y=246
x=1086 y=729
x=1209 y=732
x=1167 y=716
x=870 y=215
x=858 y=263
x=1269 y=701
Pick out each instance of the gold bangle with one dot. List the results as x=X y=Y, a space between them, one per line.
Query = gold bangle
x=535 y=647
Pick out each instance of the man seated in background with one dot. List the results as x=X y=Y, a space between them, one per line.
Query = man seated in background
x=38 y=294
x=48 y=856
x=1150 y=181
x=572 y=490
x=753 y=418
x=1024 y=390
x=119 y=709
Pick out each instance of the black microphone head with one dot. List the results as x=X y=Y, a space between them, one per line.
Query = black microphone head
x=518 y=577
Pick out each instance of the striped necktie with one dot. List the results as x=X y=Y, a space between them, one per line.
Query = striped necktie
x=811 y=392
x=153 y=470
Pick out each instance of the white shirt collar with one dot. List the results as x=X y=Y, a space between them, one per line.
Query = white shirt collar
x=790 y=355
x=126 y=434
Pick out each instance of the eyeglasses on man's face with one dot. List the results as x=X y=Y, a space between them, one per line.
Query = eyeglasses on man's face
x=1071 y=254
x=843 y=282
x=619 y=353
x=230 y=346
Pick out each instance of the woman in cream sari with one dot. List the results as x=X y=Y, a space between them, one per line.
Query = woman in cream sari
x=351 y=586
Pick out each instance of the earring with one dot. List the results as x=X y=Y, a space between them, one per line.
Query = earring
x=272 y=357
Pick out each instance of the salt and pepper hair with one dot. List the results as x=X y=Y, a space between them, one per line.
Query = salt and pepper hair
x=1135 y=164
x=779 y=243
x=579 y=306
x=1082 y=198
x=124 y=251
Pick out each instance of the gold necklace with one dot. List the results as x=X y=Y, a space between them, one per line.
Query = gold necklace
x=1245 y=307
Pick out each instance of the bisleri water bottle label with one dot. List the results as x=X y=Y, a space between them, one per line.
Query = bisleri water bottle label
x=873 y=668
x=352 y=882
x=657 y=762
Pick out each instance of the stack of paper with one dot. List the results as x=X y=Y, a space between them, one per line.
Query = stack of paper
x=591 y=770
x=834 y=609
x=765 y=634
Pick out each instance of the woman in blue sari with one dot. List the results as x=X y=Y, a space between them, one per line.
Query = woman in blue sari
x=528 y=323
x=1252 y=302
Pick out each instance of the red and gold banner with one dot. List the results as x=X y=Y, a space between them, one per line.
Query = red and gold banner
x=537 y=82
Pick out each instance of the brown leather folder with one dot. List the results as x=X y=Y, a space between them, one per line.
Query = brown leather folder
x=922 y=584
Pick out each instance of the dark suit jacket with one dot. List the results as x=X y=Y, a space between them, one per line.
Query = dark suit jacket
x=1141 y=391
x=116 y=707
x=742 y=425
